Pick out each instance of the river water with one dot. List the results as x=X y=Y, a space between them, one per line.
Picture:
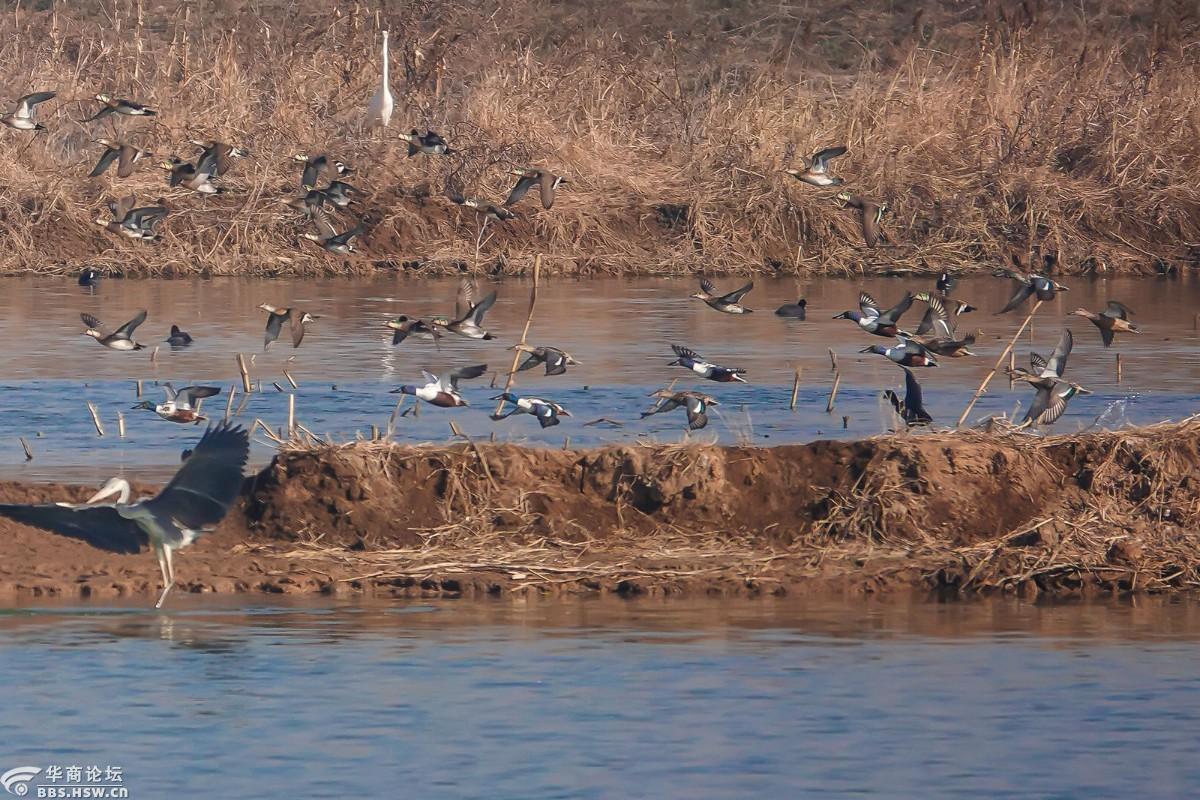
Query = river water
x=606 y=698
x=621 y=330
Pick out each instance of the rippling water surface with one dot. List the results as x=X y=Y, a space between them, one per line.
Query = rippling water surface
x=619 y=329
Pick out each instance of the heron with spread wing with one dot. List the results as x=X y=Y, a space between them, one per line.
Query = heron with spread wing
x=195 y=500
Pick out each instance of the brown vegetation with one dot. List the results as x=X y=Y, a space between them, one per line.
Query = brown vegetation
x=1068 y=127
x=965 y=513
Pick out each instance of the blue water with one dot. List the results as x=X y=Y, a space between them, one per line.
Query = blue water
x=612 y=699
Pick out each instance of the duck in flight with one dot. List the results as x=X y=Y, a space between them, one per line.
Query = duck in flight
x=126 y=155
x=1027 y=284
x=275 y=319
x=198 y=177
x=873 y=320
x=134 y=223
x=870 y=215
x=730 y=303
x=403 y=327
x=181 y=405
x=328 y=237
x=546 y=181
x=116 y=105
x=121 y=338
x=23 y=117
x=195 y=500
x=816 y=168
x=906 y=352
x=219 y=153
x=1113 y=319
x=546 y=411
x=939 y=337
x=695 y=403
x=317 y=167
x=468 y=312
x=429 y=143
x=443 y=391
x=690 y=359
x=911 y=409
x=1046 y=372
x=556 y=360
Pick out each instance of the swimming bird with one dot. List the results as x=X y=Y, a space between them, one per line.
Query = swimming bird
x=277 y=316
x=403 y=327
x=468 y=312
x=526 y=177
x=938 y=336
x=906 y=353
x=328 y=237
x=89 y=277
x=1026 y=284
x=690 y=359
x=178 y=338
x=135 y=223
x=121 y=338
x=443 y=392
x=316 y=167
x=796 y=310
x=379 y=110
x=115 y=105
x=556 y=360
x=726 y=303
x=870 y=215
x=816 y=168
x=695 y=403
x=180 y=405
x=22 y=117
x=429 y=143
x=1113 y=319
x=1046 y=372
x=124 y=154
x=196 y=499
x=219 y=153
x=872 y=320
x=197 y=177
x=912 y=408
x=546 y=411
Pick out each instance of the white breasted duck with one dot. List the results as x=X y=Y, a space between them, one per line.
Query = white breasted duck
x=197 y=177
x=872 y=320
x=1026 y=284
x=429 y=143
x=328 y=237
x=816 y=168
x=1113 y=319
x=121 y=338
x=546 y=180
x=126 y=155
x=468 y=312
x=178 y=338
x=403 y=327
x=443 y=392
x=696 y=404
x=906 y=353
x=135 y=223
x=912 y=408
x=730 y=303
x=1046 y=372
x=180 y=405
x=117 y=105
x=556 y=360
x=317 y=167
x=690 y=359
x=546 y=411
x=220 y=153
x=22 y=117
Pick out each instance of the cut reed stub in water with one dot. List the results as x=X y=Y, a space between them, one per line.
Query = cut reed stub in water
x=25 y=447
x=795 y=390
x=247 y=386
x=95 y=418
x=837 y=382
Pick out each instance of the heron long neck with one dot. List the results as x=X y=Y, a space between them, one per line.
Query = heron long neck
x=385 y=60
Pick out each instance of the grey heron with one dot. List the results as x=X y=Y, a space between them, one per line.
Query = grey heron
x=194 y=501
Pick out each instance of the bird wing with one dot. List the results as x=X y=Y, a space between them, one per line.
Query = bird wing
x=1117 y=310
x=208 y=483
x=820 y=159
x=1056 y=405
x=274 y=325
x=169 y=391
x=25 y=104
x=92 y=322
x=532 y=360
x=126 y=330
x=125 y=165
x=310 y=175
x=520 y=190
x=926 y=322
x=194 y=393
x=100 y=526
x=207 y=167
x=868 y=305
x=399 y=335
x=121 y=208
x=914 y=400
x=466 y=373
x=1037 y=362
x=1021 y=292
x=1058 y=359
x=895 y=312
x=110 y=154
x=1106 y=336
x=297 y=329
x=431 y=378
x=941 y=329
x=737 y=294
x=547 y=189
x=324 y=227
x=479 y=309
x=707 y=287
x=146 y=217
x=464 y=300
x=685 y=352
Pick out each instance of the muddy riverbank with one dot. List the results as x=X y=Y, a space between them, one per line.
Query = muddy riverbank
x=1109 y=512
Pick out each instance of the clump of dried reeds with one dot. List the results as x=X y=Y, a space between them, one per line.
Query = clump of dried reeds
x=983 y=127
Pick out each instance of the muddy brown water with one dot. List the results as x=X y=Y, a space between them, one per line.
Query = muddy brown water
x=596 y=699
x=620 y=329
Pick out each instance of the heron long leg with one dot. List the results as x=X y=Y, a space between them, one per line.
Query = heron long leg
x=168 y=574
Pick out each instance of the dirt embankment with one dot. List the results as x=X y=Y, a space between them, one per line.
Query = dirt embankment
x=961 y=513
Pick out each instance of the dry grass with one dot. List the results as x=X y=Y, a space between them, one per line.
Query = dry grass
x=1072 y=128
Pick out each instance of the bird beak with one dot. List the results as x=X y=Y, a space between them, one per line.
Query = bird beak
x=107 y=490
x=841 y=316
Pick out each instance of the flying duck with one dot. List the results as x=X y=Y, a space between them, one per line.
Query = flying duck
x=1050 y=402
x=443 y=392
x=1113 y=319
x=872 y=320
x=22 y=117
x=547 y=182
x=906 y=353
x=912 y=408
x=696 y=404
x=954 y=307
x=690 y=359
x=220 y=154
x=1026 y=284
x=196 y=499
x=547 y=412
x=816 y=168
x=468 y=313
x=124 y=154
x=430 y=143
x=726 y=303
x=328 y=237
x=180 y=405
x=197 y=177
x=486 y=209
x=115 y=105
x=1046 y=373
x=939 y=337
x=178 y=338
x=403 y=327
x=275 y=319
x=556 y=360
x=870 y=215
x=796 y=310
x=135 y=223
x=316 y=167
x=121 y=338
